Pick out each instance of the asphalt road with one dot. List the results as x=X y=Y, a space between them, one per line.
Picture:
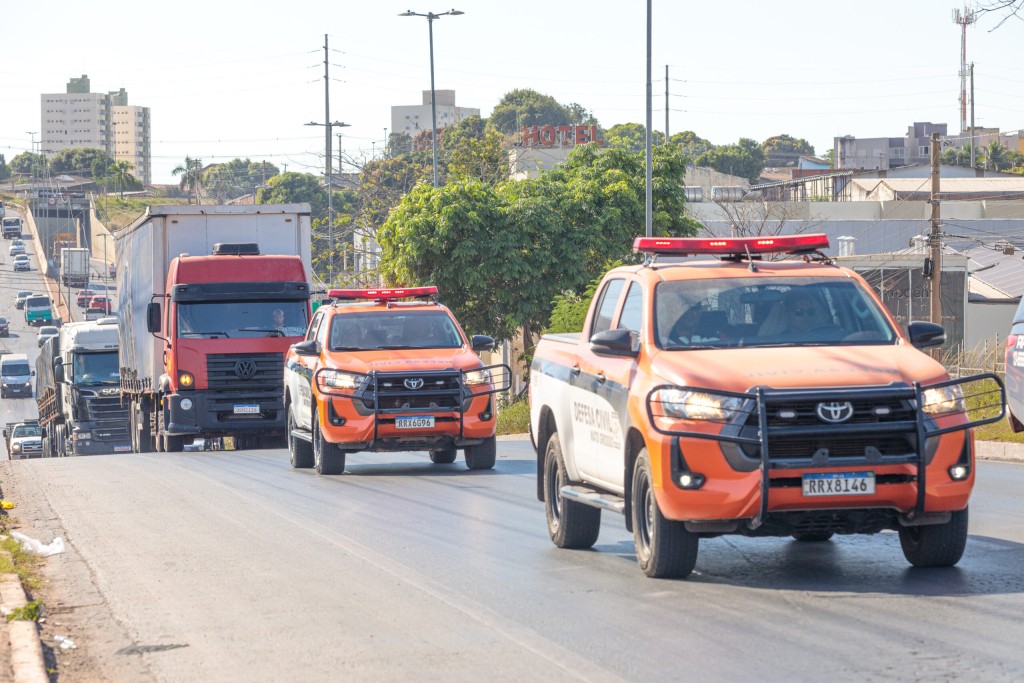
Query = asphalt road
x=228 y=566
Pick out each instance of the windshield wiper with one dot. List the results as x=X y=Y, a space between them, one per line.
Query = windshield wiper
x=212 y=335
x=273 y=332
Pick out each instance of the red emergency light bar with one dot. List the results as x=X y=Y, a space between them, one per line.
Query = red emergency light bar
x=779 y=244
x=383 y=294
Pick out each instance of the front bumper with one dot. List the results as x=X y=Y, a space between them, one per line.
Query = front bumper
x=219 y=413
x=17 y=389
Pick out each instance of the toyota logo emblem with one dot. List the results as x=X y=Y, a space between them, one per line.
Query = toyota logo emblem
x=245 y=369
x=413 y=383
x=835 y=412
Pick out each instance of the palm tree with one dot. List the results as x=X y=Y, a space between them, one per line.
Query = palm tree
x=995 y=156
x=191 y=176
x=121 y=170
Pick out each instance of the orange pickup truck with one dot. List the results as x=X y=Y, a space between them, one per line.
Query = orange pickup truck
x=390 y=370
x=736 y=394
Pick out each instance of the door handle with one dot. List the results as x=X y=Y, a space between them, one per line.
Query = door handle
x=601 y=378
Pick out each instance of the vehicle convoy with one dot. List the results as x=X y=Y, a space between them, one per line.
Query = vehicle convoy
x=380 y=372
x=74 y=267
x=23 y=440
x=735 y=395
x=197 y=287
x=11 y=227
x=78 y=391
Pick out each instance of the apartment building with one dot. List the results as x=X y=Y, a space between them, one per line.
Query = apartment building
x=81 y=118
x=411 y=119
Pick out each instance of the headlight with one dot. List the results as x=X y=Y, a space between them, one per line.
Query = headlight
x=82 y=436
x=186 y=404
x=477 y=377
x=16 y=448
x=697 y=405
x=330 y=381
x=942 y=400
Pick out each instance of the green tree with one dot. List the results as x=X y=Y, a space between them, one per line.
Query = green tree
x=995 y=156
x=691 y=144
x=291 y=188
x=631 y=136
x=121 y=172
x=236 y=178
x=81 y=161
x=191 y=172
x=27 y=161
x=785 y=148
x=744 y=159
x=5 y=171
x=525 y=107
x=473 y=151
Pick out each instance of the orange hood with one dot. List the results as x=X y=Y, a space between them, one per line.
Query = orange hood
x=404 y=360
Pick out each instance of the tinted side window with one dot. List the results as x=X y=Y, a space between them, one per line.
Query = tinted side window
x=606 y=306
x=311 y=332
x=632 y=312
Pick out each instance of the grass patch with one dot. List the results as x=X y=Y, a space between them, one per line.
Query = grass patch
x=514 y=418
x=116 y=213
x=30 y=611
x=19 y=561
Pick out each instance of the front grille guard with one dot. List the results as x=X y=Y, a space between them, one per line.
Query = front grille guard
x=367 y=388
x=960 y=404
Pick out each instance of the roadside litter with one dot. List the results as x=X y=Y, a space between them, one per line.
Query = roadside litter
x=64 y=642
x=37 y=547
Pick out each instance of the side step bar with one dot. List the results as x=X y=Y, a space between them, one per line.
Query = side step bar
x=302 y=435
x=595 y=499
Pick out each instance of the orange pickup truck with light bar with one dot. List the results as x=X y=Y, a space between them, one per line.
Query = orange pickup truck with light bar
x=390 y=370
x=737 y=394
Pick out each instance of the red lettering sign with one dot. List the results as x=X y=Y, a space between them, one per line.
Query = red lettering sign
x=559 y=136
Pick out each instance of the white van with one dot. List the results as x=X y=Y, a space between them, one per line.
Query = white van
x=15 y=375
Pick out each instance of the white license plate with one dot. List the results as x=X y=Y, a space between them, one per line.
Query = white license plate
x=122 y=449
x=247 y=410
x=414 y=422
x=839 y=484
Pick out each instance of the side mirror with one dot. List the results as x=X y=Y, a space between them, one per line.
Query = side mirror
x=613 y=343
x=310 y=347
x=481 y=342
x=58 y=370
x=153 y=317
x=924 y=335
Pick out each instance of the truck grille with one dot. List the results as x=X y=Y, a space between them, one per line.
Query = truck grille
x=439 y=390
x=245 y=378
x=33 y=446
x=110 y=418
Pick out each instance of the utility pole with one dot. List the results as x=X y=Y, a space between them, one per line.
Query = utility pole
x=964 y=18
x=666 y=104
x=935 y=299
x=344 y=252
x=327 y=110
x=648 y=195
x=972 y=115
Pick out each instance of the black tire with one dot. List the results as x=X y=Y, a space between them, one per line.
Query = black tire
x=142 y=431
x=301 y=452
x=664 y=548
x=482 y=457
x=935 y=545
x=812 y=536
x=327 y=457
x=443 y=456
x=174 y=443
x=570 y=524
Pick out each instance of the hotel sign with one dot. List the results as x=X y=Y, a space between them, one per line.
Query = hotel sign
x=559 y=136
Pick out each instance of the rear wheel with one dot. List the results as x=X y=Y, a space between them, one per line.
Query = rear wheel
x=327 y=457
x=443 y=456
x=570 y=524
x=301 y=451
x=935 y=545
x=664 y=548
x=482 y=457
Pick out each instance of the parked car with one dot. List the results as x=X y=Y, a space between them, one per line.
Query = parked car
x=5 y=327
x=84 y=295
x=21 y=262
x=17 y=247
x=45 y=333
x=19 y=298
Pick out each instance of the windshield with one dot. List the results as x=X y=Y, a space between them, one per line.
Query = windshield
x=394 y=329
x=27 y=430
x=734 y=312
x=16 y=370
x=96 y=368
x=242 y=319
x=38 y=301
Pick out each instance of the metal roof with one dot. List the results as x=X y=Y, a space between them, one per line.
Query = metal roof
x=1004 y=272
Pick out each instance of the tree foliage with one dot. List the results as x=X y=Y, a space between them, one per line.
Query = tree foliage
x=631 y=136
x=787 y=144
x=82 y=161
x=191 y=172
x=691 y=144
x=474 y=152
x=27 y=161
x=236 y=178
x=744 y=159
x=294 y=188
x=525 y=107
x=5 y=170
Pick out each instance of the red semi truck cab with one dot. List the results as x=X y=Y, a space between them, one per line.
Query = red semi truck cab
x=226 y=321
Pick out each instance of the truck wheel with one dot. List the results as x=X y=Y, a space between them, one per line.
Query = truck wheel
x=570 y=524
x=301 y=451
x=443 y=456
x=812 y=536
x=174 y=444
x=327 y=457
x=664 y=548
x=935 y=545
x=140 y=429
x=482 y=457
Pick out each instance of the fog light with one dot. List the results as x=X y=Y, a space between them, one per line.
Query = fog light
x=959 y=472
x=691 y=480
x=186 y=404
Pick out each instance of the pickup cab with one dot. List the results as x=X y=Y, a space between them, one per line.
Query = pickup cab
x=390 y=370
x=736 y=394
x=24 y=440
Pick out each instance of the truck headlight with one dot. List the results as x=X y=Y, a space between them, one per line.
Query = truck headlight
x=697 y=405
x=475 y=378
x=333 y=381
x=943 y=400
x=82 y=436
x=16 y=448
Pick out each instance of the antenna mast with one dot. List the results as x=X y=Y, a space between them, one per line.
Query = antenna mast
x=964 y=18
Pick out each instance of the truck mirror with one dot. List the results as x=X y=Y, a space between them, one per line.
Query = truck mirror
x=310 y=347
x=924 y=334
x=613 y=343
x=481 y=342
x=58 y=370
x=153 y=317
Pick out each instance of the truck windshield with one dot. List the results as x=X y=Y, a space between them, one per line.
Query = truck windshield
x=242 y=319
x=735 y=312
x=97 y=368
x=16 y=370
x=394 y=329
x=26 y=430
x=38 y=302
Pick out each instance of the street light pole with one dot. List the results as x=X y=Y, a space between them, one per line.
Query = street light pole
x=433 y=104
x=330 y=200
x=32 y=151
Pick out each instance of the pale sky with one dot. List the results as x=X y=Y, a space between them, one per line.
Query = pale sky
x=231 y=79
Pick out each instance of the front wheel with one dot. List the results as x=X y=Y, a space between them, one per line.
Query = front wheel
x=664 y=548
x=935 y=545
x=483 y=456
x=570 y=524
x=327 y=457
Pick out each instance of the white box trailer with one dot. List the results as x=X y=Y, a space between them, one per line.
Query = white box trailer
x=144 y=251
x=74 y=266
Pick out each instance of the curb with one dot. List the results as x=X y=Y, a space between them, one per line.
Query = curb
x=26 y=647
x=998 y=450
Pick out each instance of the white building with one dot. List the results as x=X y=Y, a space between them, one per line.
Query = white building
x=80 y=118
x=411 y=119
